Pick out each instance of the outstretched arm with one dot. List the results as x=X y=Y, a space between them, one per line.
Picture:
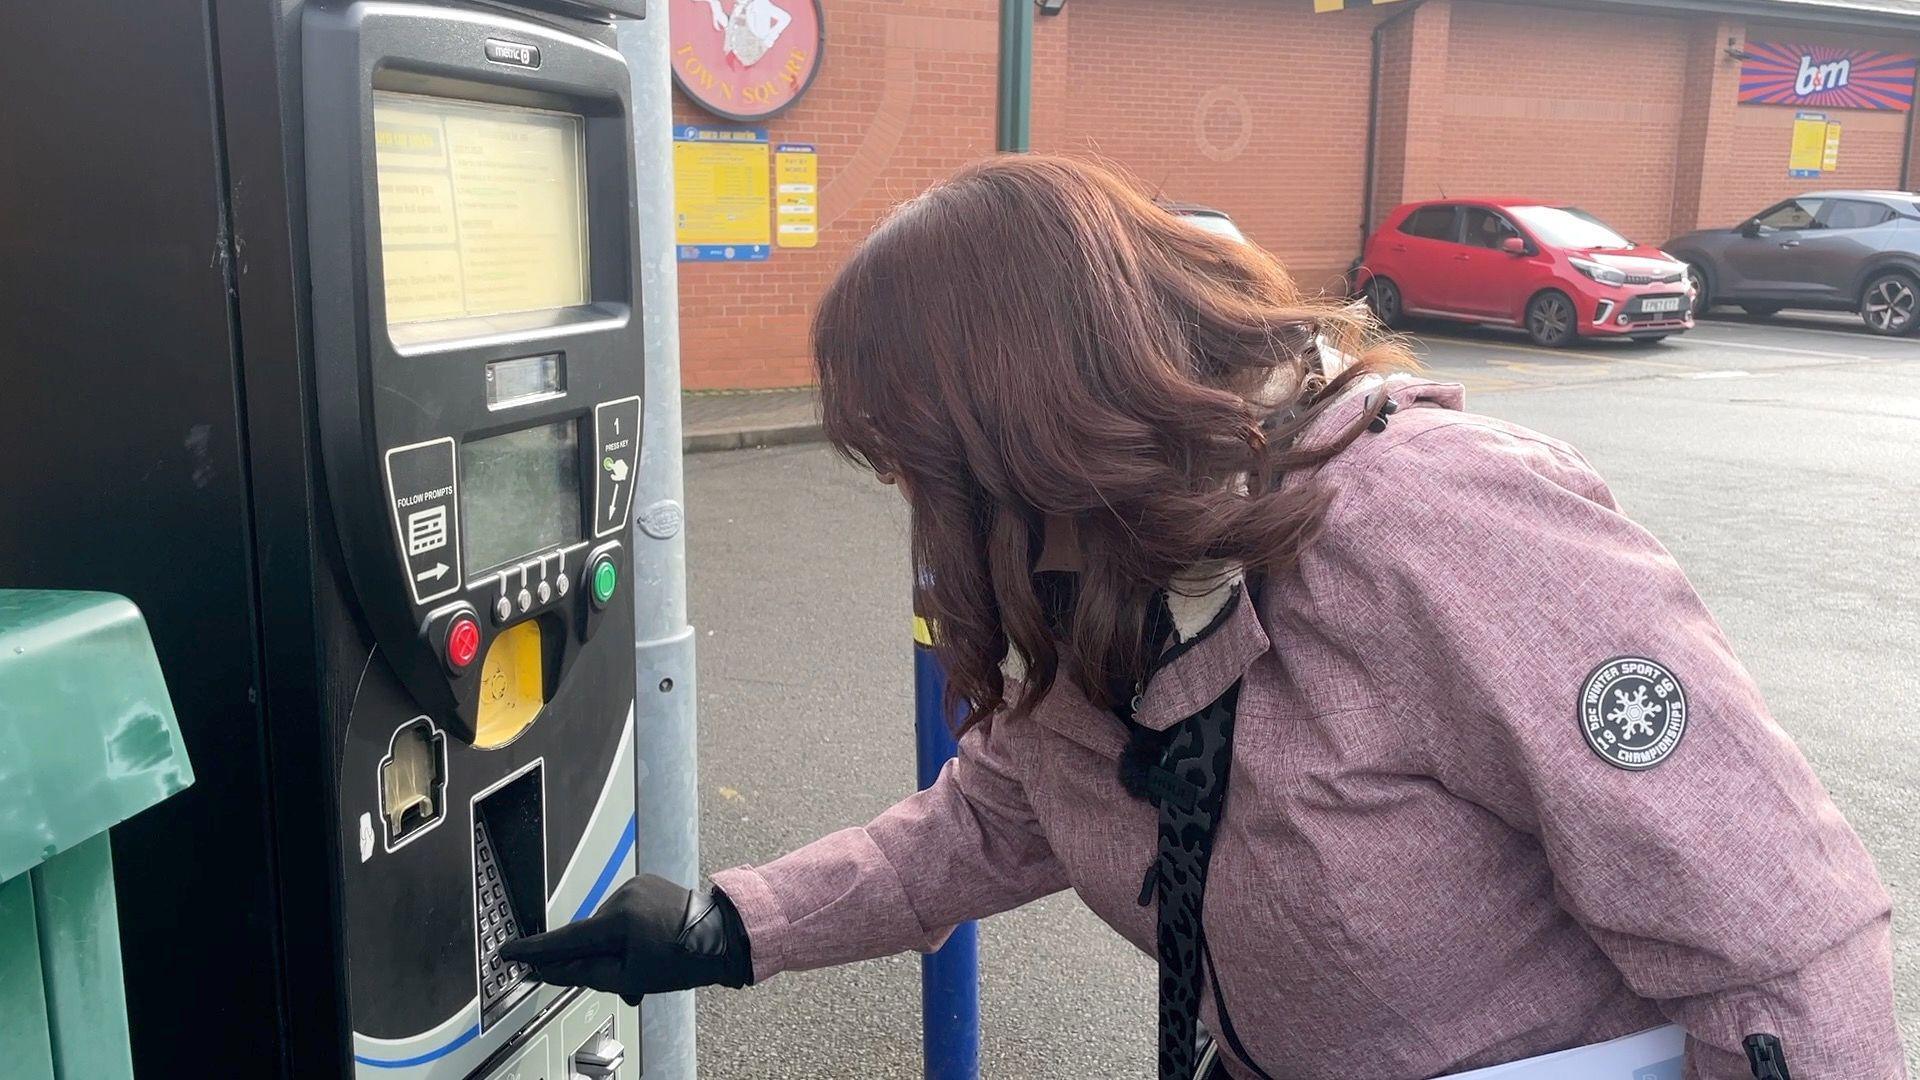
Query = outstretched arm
x=965 y=848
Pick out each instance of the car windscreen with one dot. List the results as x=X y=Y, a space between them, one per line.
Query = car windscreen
x=1569 y=227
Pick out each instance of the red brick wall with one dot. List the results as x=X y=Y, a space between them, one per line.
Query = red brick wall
x=1257 y=107
x=905 y=95
x=1634 y=116
x=1556 y=104
x=1390 y=139
x=1706 y=120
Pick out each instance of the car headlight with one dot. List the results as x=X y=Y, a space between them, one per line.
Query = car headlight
x=1605 y=275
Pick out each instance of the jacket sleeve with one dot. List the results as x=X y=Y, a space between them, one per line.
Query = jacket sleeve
x=1489 y=581
x=967 y=847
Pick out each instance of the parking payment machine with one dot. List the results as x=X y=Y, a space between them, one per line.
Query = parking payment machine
x=477 y=376
x=416 y=393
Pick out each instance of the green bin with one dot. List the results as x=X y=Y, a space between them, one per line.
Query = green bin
x=87 y=740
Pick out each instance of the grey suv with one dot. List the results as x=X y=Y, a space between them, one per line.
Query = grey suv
x=1834 y=250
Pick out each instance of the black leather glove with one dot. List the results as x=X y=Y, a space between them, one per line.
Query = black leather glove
x=649 y=936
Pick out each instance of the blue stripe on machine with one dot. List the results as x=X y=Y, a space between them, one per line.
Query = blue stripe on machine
x=608 y=872
x=594 y=895
x=459 y=1041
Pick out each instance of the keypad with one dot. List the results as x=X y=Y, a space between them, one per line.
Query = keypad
x=494 y=926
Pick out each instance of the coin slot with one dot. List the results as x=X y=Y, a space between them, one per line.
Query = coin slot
x=513 y=685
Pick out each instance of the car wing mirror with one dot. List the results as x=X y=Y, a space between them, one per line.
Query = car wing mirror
x=1514 y=245
x=1750 y=228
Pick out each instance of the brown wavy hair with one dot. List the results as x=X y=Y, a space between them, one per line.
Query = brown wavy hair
x=1035 y=337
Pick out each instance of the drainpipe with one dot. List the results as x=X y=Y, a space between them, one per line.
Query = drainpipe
x=1906 y=153
x=1016 y=75
x=1368 y=192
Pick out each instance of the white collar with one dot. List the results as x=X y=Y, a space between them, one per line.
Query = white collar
x=1196 y=597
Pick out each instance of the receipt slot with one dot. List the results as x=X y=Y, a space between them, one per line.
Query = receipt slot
x=332 y=361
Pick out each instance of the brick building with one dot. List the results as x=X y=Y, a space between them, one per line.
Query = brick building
x=1301 y=123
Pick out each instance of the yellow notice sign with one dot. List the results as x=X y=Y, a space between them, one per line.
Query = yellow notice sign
x=796 y=171
x=722 y=194
x=1830 y=159
x=1809 y=152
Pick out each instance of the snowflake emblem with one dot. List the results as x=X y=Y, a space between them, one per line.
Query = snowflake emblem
x=1632 y=712
x=1635 y=714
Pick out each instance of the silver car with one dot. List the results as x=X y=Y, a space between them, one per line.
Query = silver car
x=1832 y=250
x=1206 y=217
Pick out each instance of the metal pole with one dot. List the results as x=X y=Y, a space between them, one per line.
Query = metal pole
x=949 y=978
x=666 y=750
x=1016 y=75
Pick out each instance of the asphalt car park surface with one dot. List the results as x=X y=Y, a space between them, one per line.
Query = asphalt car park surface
x=1778 y=460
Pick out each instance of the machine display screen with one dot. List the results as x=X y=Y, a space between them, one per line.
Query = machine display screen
x=519 y=494
x=482 y=208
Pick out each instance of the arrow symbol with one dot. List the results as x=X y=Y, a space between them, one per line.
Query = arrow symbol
x=438 y=571
x=615 y=501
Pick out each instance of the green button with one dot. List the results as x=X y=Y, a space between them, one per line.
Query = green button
x=605 y=580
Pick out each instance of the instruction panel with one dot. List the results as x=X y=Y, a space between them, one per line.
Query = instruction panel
x=481 y=208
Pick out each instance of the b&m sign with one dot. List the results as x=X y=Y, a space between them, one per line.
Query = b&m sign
x=1827 y=77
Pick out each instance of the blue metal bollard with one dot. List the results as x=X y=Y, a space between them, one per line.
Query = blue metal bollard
x=949 y=978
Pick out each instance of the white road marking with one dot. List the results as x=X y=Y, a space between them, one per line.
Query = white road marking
x=1730 y=374
x=1820 y=353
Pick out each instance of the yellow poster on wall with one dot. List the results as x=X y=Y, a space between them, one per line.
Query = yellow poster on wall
x=796 y=173
x=1830 y=159
x=1809 y=152
x=722 y=190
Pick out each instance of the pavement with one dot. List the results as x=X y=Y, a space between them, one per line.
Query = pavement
x=748 y=419
x=1780 y=462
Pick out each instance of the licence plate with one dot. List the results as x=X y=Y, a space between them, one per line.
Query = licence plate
x=1668 y=303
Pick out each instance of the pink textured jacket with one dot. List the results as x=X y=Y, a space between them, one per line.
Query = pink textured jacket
x=1499 y=788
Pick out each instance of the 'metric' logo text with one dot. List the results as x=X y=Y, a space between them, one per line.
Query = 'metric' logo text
x=1816 y=78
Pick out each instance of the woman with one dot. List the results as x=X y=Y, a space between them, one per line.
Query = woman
x=1497 y=786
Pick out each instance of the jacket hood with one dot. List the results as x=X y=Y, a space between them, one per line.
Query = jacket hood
x=1369 y=395
x=1197 y=598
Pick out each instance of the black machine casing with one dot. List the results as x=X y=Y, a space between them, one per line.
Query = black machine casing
x=200 y=407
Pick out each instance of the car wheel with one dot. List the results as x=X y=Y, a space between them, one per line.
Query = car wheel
x=1702 y=300
x=1762 y=311
x=1383 y=296
x=1890 y=303
x=1551 y=320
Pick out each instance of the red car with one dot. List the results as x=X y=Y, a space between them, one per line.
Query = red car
x=1557 y=272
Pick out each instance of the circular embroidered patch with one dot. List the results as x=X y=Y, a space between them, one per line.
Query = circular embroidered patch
x=1633 y=712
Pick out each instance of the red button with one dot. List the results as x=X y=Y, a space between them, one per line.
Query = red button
x=463 y=642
